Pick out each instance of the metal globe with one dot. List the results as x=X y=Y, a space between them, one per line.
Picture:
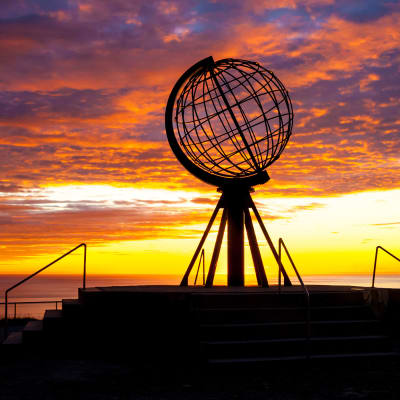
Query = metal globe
x=226 y=122
x=231 y=119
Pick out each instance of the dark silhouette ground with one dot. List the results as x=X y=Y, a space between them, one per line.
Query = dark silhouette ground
x=14 y=324
x=79 y=379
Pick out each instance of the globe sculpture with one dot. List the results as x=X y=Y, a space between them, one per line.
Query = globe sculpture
x=226 y=122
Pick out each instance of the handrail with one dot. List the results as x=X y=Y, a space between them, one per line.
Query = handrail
x=202 y=257
x=281 y=244
x=376 y=258
x=15 y=303
x=37 y=272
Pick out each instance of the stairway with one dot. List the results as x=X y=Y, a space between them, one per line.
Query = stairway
x=241 y=329
x=44 y=335
x=247 y=326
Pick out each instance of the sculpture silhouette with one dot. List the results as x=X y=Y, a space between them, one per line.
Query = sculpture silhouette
x=226 y=122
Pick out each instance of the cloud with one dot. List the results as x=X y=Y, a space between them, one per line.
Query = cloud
x=386 y=224
x=306 y=207
x=83 y=88
x=23 y=224
x=364 y=12
x=205 y=200
x=106 y=90
x=60 y=104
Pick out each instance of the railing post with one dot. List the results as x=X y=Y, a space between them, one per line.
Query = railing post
x=6 y=315
x=306 y=294
x=376 y=258
x=15 y=310
x=204 y=269
x=84 y=266
x=373 y=274
x=279 y=265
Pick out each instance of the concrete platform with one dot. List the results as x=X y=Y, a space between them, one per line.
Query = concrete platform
x=223 y=325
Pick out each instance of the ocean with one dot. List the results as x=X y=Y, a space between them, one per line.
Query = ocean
x=57 y=287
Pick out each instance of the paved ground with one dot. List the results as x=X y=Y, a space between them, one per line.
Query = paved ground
x=79 y=379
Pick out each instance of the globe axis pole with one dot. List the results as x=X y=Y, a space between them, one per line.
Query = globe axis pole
x=234 y=203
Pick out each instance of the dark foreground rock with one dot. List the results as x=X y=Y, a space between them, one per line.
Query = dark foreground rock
x=80 y=379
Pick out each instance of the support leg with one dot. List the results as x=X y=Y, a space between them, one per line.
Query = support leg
x=185 y=278
x=235 y=242
x=255 y=251
x=198 y=268
x=271 y=245
x=217 y=248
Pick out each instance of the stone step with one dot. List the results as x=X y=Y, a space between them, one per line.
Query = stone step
x=317 y=359
x=71 y=308
x=267 y=330
x=295 y=346
x=12 y=347
x=255 y=300
x=33 y=332
x=13 y=338
x=271 y=314
x=53 y=321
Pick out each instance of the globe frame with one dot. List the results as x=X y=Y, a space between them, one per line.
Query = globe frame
x=259 y=176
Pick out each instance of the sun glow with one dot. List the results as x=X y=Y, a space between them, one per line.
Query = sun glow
x=325 y=235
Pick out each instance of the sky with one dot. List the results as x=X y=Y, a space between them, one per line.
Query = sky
x=84 y=155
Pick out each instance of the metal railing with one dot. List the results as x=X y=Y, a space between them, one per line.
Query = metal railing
x=376 y=259
x=281 y=244
x=15 y=303
x=202 y=258
x=38 y=272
